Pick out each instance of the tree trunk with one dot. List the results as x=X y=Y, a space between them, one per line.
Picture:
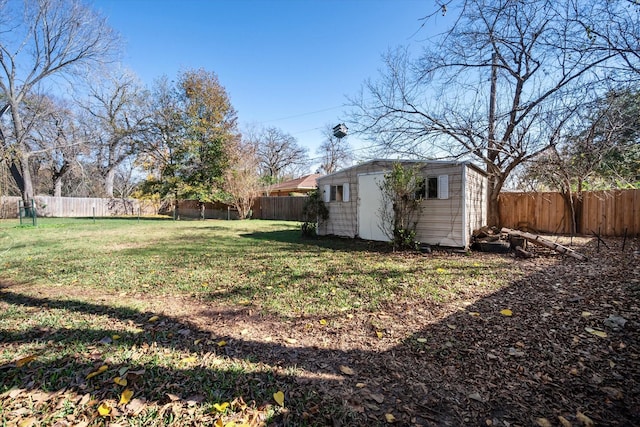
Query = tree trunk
x=57 y=186
x=493 y=202
x=22 y=176
x=108 y=182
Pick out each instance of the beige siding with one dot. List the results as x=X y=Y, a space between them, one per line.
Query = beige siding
x=475 y=201
x=442 y=221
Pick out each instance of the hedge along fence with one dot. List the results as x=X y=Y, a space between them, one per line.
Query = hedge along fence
x=48 y=206
x=609 y=213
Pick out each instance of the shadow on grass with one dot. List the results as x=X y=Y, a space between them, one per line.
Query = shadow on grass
x=433 y=365
x=325 y=242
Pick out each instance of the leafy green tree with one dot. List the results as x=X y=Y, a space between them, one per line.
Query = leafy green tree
x=195 y=133
x=313 y=210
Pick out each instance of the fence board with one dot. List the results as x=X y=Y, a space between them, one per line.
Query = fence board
x=281 y=208
x=611 y=212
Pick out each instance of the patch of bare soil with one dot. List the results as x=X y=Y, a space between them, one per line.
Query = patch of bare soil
x=559 y=346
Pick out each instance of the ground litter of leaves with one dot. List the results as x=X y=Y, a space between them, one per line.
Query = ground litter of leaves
x=558 y=347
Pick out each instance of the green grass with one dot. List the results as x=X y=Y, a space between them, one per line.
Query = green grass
x=116 y=265
x=262 y=262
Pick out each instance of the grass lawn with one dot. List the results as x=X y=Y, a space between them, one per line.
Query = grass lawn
x=225 y=323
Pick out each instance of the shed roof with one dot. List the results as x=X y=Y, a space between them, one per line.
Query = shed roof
x=405 y=161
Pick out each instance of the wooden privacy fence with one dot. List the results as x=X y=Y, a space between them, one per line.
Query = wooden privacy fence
x=609 y=213
x=287 y=208
x=49 y=206
x=279 y=208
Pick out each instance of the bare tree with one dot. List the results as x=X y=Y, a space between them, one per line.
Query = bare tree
x=601 y=151
x=279 y=153
x=57 y=141
x=40 y=40
x=242 y=181
x=335 y=152
x=501 y=86
x=118 y=114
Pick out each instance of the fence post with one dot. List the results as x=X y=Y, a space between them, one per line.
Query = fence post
x=34 y=214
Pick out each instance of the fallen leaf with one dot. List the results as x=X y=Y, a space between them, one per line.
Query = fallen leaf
x=377 y=397
x=543 y=422
x=106 y=340
x=191 y=359
x=565 y=422
x=100 y=370
x=126 y=396
x=291 y=340
x=476 y=396
x=104 y=409
x=135 y=407
x=474 y=314
x=172 y=397
x=450 y=326
x=198 y=341
x=588 y=422
x=390 y=418
x=221 y=343
x=361 y=385
x=506 y=312
x=279 y=398
x=21 y=362
x=421 y=340
x=27 y=422
x=84 y=400
x=115 y=337
x=221 y=407
x=347 y=370
x=154 y=319
x=323 y=322
x=613 y=393
x=120 y=381
x=596 y=332
x=585 y=314
x=379 y=334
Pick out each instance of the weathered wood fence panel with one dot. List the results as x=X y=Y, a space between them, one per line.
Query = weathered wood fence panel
x=48 y=206
x=282 y=208
x=609 y=213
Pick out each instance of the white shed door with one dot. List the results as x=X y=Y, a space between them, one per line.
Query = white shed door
x=369 y=203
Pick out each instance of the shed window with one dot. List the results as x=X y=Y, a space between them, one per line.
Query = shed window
x=434 y=187
x=336 y=193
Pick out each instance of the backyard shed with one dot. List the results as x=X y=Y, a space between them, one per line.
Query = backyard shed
x=454 y=203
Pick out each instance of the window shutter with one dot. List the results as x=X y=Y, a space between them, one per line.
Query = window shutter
x=443 y=187
x=345 y=192
x=327 y=193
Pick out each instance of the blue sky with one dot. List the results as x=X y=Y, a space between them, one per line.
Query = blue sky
x=285 y=63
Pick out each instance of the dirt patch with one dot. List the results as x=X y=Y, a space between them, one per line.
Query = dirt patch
x=559 y=346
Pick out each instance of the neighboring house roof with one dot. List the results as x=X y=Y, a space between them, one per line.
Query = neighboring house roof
x=304 y=183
